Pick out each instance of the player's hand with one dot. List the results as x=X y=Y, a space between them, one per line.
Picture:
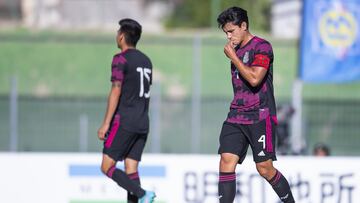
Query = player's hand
x=102 y=131
x=230 y=51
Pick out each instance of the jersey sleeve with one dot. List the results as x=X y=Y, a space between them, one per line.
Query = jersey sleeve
x=263 y=55
x=118 y=68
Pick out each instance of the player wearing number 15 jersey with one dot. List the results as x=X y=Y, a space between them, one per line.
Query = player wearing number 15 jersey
x=126 y=123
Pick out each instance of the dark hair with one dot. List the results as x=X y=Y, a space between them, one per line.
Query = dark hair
x=131 y=30
x=321 y=147
x=235 y=15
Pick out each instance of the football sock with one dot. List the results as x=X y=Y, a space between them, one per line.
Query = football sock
x=136 y=179
x=281 y=187
x=227 y=187
x=125 y=182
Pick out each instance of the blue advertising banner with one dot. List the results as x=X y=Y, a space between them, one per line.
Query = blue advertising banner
x=330 y=41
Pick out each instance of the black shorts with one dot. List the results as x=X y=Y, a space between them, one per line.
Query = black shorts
x=236 y=138
x=120 y=143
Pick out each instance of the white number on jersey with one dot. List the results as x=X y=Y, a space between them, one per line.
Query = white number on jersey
x=144 y=72
x=262 y=139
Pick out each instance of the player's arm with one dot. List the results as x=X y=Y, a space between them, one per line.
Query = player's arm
x=113 y=100
x=254 y=74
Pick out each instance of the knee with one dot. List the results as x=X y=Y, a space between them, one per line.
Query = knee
x=130 y=169
x=106 y=164
x=228 y=162
x=266 y=170
x=131 y=166
x=104 y=168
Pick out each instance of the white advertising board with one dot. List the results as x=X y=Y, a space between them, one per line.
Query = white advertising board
x=76 y=178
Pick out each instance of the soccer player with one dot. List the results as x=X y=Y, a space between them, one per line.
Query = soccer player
x=252 y=117
x=126 y=123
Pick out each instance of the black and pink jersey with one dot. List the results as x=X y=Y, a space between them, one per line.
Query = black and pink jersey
x=253 y=104
x=134 y=69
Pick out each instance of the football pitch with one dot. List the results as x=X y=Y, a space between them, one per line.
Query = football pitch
x=61 y=76
x=55 y=64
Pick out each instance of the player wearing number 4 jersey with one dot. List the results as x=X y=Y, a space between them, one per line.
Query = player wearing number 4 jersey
x=126 y=123
x=252 y=117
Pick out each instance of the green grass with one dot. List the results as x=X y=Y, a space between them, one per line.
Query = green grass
x=79 y=65
x=65 y=66
x=55 y=68
x=62 y=64
x=78 y=68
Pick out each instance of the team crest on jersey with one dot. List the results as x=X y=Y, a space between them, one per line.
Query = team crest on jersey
x=246 y=57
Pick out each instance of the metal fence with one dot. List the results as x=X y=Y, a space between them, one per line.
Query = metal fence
x=188 y=124
x=70 y=124
x=59 y=124
x=335 y=122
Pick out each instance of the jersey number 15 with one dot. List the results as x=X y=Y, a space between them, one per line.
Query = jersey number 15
x=144 y=73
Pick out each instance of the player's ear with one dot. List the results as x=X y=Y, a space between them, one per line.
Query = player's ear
x=243 y=26
x=121 y=36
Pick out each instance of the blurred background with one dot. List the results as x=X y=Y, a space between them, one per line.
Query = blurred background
x=55 y=66
x=55 y=76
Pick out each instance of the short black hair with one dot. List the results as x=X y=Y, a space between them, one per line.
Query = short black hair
x=131 y=30
x=235 y=15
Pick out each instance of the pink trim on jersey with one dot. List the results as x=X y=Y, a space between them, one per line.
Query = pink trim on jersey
x=117 y=75
x=113 y=131
x=122 y=59
x=275 y=120
x=111 y=171
x=269 y=147
x=119 y=59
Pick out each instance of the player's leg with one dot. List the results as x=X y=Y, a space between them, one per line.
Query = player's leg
x=108 y=167
x=133 y=157
x=227 y=177
x=232 y=151
x=131 y=169
x=276 y=180
x=262 y=141
x=115 y=149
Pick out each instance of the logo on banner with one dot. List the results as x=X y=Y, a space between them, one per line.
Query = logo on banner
x=338 y=28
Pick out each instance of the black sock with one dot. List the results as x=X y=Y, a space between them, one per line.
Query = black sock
x=125 y=182
x=227 y=187
x=281 y=187
x=136 y=179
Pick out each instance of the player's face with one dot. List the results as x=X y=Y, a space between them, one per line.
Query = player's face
x=235 y=33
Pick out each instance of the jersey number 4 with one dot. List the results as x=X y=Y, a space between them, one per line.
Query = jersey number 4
x=144 y=73
x=262 y=139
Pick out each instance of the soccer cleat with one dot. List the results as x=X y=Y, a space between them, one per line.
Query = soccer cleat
x=148 y=197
